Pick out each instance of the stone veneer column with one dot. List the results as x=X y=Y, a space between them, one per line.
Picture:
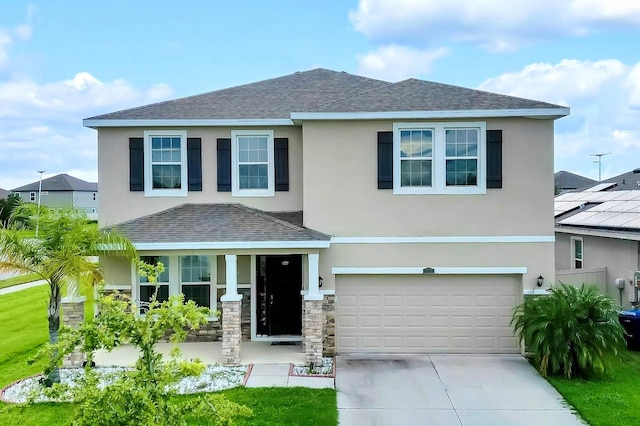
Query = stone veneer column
x=313 y=332
x=231 y=313
x=329 y=326
x=231 y=332
x=73 y=316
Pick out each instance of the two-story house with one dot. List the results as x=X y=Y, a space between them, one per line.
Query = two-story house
x=62 y=191
x=415 y=213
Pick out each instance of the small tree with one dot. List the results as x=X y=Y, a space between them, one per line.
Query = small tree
x=572 y=331
x=7 y=205
x=60 y=255
x=146 y=395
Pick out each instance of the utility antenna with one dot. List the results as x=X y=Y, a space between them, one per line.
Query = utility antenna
x=599 y=161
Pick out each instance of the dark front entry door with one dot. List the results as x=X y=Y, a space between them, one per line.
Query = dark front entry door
x=279 y=300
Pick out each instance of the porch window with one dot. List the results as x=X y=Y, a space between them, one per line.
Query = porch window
x=147 y=289
x=195 y=279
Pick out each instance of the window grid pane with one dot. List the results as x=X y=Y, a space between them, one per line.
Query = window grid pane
x=166 y=157
x=253 y=166
x=195 y=269
x=198 y=293
x=461 y=150
x=415 y=173
x=153 y=260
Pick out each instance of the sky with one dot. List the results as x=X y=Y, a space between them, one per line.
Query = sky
x=62 y=61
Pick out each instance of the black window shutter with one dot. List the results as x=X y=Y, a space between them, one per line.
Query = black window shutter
x=385 y=160
x=224 y=165
x=136 y=164
x=194 y=164
x=281 y=163
x=494 y=158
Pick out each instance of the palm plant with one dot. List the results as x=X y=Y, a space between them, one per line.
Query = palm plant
x=60 y=255
x=572 y=331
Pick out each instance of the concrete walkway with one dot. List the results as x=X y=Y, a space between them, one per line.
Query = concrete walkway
x=20 y=287
x=271 y=364
x=447 y=390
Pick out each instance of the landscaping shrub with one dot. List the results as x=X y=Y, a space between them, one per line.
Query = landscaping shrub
x=573 y=331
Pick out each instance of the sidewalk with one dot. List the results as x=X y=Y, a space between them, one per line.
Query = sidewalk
x=277 y=375
x=20 y=287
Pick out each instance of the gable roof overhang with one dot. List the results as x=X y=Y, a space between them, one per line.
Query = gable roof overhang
x=95 y=123
x=605 y=233
x=219 y=227
x=535 y=113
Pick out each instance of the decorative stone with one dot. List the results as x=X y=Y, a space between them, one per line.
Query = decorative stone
x=231 y=332
x=312 y=325
x=73 y=316
x=329 y=326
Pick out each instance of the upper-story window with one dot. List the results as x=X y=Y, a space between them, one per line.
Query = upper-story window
x=32 y=196
x=439 y=158
x=577 y=255
x=94 y=196
x=252 y=163
x=165 y=162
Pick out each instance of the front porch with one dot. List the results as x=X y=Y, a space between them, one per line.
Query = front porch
x=209 y=353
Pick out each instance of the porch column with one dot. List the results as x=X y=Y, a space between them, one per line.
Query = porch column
x=312 y=321
x=231 y=308
x=73 y=316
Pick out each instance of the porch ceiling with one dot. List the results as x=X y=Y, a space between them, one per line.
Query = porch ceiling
x=217 y=223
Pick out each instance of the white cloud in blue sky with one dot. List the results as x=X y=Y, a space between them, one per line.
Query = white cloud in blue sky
x=64 y=61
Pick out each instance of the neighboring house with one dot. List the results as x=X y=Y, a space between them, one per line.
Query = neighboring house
x=626 y=181
x=566 y=181
x=396 y=208
x=598 y=239
x=4 y=193
x=63 y=191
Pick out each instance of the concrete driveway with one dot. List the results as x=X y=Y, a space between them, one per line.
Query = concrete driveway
x=447 y=390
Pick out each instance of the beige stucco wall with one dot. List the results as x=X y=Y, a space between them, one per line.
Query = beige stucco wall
x=536 y=257
x=118 y=204
x=341 y=196
x=620 y=257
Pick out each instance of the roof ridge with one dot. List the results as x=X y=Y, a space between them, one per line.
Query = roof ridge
x=351 y=95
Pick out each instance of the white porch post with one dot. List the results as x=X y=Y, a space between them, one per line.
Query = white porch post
x=314 y=286
x=231 y=293
x=231 y=308
x=312 y=321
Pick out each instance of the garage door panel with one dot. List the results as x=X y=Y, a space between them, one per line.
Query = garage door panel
x=452 y=314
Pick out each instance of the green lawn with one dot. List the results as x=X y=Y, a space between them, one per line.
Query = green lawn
x=20 y=279
x=610 y=401
x=23 y=327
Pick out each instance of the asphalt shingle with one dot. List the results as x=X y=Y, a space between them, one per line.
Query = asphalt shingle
x=216 y=223
x=61 y=182
x=322 y=90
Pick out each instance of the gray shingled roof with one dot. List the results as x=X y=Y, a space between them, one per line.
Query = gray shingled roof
x=268 y=99
x=420 y=95
x=566 y=180
x=626 y=181
x=190 y=223
x=61 y=182
x=322 y=90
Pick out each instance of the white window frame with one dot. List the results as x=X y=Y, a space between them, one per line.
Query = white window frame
x=94 y=196
x=573 y=252
x=148 y=176
x=32 y=197
x=235 y=178
x=438 y=178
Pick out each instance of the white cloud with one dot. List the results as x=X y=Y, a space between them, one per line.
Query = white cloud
x=497 y=25
x=395 y=63
x=41 y=124
x=603 y=96
x=83 y=94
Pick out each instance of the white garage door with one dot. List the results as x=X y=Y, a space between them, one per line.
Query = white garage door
x=426 y=314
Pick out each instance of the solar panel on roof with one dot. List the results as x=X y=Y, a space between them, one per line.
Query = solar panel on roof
x=606 y=206
x=601 y=187
x=619 y=219
x=575 y=219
